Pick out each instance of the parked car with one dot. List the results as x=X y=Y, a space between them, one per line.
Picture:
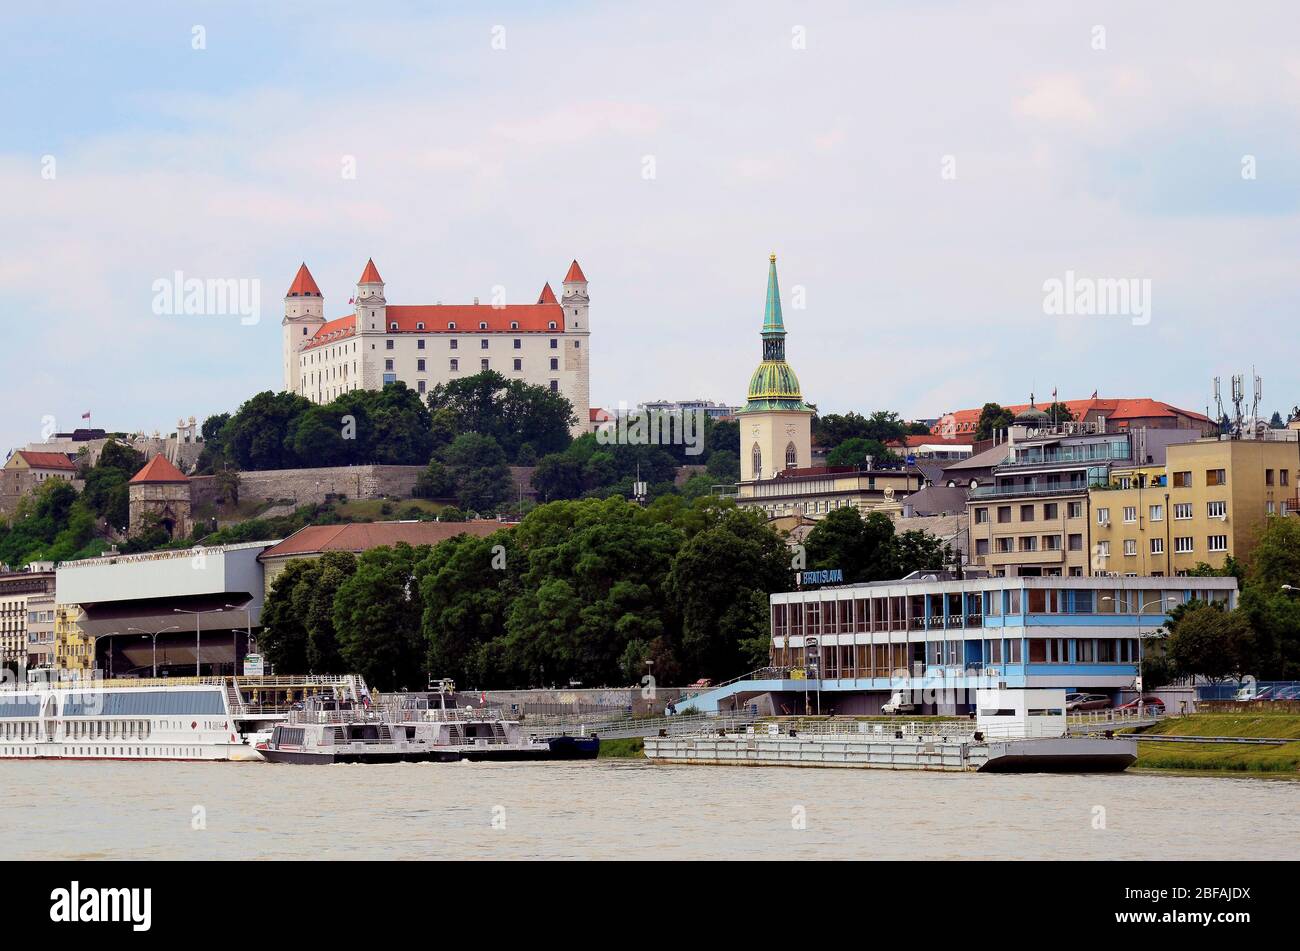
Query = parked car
x=1145 y=702
x=1088 y=701
x=898 y=703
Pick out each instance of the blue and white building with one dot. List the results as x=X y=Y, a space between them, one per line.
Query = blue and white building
x=851 y=649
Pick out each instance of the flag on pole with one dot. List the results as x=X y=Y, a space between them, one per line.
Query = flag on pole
x=85 y=415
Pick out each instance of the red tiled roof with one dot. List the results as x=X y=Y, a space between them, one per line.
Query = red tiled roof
x=158 y=469
x=332 y=331
x=371 y=274
x=575 y=274
x=933 y=439
x=304 y=285
x=363 y=536
x=46 y=460
x=966 y=420
x=598 y=415
x=548 y=295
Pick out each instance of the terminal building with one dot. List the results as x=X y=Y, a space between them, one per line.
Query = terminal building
x=853 y=649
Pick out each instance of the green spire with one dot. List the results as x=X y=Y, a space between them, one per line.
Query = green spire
x=772 y=322
x=774 y=385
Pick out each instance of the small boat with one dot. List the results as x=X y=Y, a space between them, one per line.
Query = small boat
x=329 y=730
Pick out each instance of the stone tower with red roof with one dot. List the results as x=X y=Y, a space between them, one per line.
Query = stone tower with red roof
x=159 y=494
x=304 y=313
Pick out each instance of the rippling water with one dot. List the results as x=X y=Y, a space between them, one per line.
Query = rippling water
x=628 y=809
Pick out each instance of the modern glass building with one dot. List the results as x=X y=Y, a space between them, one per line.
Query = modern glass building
x=856 y=645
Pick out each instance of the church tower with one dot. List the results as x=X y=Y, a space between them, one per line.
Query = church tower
x=776 y=424
x=577 y=346
x=304 y=313
x=372 y=318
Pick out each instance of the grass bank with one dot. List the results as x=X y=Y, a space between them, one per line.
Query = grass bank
x=1283 y=758
x=622 y=749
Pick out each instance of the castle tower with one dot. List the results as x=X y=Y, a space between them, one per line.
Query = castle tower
x=776 y=424
x=577 y=340
x=304 y=313
x=160 y=494
x=372 y=318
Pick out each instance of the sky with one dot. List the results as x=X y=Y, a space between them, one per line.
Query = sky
x=923 y=170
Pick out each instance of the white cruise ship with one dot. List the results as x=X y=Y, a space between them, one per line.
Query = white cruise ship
x=208 y=718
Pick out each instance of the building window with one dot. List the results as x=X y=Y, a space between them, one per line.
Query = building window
x=981 y=546
x=391 y=326
x=1182 y=480
x=1076 y=542
x=1130 y=513
x=1183 y=544
x=1103 y=549
x=1218 y=543
x=791 y=456
x=1004 y=544
x=1182 y=511
x=483 y=344
x=1051 y=511
x=388 y=364
x=981 y=516
x=1216 y=477
x=1268 y=476
x=555 y=364
x=555 y=386
x=419 y=344
x=551 y=325
x=756 y=462
x=455 y=344
x=555 y=344
x=1157 y=546
x=1026 y=513
x=483 y=364
x=1216 y=509
x=482 y=325
x=519 y=364
x=1004 y=514
x=455 y=365
x=1130 y=547
x=514 y=325
x=420 y=386
x=1103 y=516
x=1283 y=476
x=388 y=345
x=419 y=366
x=1028 y=543
x=518 y=343
x=451 y=325
x=419 y=325
x=1157 y=513
x=1074 y=510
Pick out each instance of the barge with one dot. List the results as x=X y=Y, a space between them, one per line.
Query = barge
x=1015 y=731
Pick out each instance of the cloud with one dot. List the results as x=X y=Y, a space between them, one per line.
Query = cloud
x=1057 y=99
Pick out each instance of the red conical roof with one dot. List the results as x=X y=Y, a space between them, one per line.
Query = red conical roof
x=371 y=274
x=575 y=274
x=548 y=295
x=304 y=285
x=158 y=469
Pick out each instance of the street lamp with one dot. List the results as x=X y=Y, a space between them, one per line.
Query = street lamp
x=197 y=641
x=1137 y=621
x=248 y=619
x=94 y=645
x=154 y=636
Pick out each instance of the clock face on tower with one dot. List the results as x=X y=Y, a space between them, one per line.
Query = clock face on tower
x=756 y=429
x=790 y=429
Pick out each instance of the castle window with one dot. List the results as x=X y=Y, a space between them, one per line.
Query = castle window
x=388 y=345
x=577 y=345
x=519 y=364
x=483 y=364
x=483 y=344
x=756 y=461
x=393 y=325
x=419 y=366
x=551 y=325
x=555 y=364
x=451 y=325
x=482 y=325
x=518 y=343
x=420 y=386
x=514 y=325
x=304 y=331
x=455 y=365
x=791 y=456
x=555 y=344
x=388 y=364
x=555 y=386
x=419 y=344
x=455 y=344
x=420 y=325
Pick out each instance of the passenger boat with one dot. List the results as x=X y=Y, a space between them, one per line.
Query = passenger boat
x=189 y=718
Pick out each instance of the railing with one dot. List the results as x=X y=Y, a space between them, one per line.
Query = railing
x=1007 y=491
x=336 y=716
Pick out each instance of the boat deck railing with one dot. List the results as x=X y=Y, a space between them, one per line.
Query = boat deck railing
x=357 y=715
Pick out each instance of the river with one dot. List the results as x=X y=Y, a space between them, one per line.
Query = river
x=629 y=809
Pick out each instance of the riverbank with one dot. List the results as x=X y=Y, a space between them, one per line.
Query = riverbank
x=1224 y=757
x=633 y=748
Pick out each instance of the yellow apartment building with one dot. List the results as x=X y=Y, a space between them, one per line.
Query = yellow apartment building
x=73 y=650
x=1210 y=500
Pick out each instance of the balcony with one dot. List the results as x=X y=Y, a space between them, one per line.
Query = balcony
x=1020 y=491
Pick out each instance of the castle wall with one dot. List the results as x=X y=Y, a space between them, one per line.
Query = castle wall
x=313 y=485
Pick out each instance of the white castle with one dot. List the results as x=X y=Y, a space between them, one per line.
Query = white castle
x=545 y=344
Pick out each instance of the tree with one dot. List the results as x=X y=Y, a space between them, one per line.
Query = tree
x=1207 y=641
x=511 y=412
x=1272 y=610
x=867 y=549
x=477 y=466
x=558 y=476
x=284 y=630
x=854 y=452
x=376 y=616
x=255 y=437
x=467 y=584
x=226 y=482
x=992 y=419
x=720 y=581
x=435 y=482
x=833 y=429
x=724 y=465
